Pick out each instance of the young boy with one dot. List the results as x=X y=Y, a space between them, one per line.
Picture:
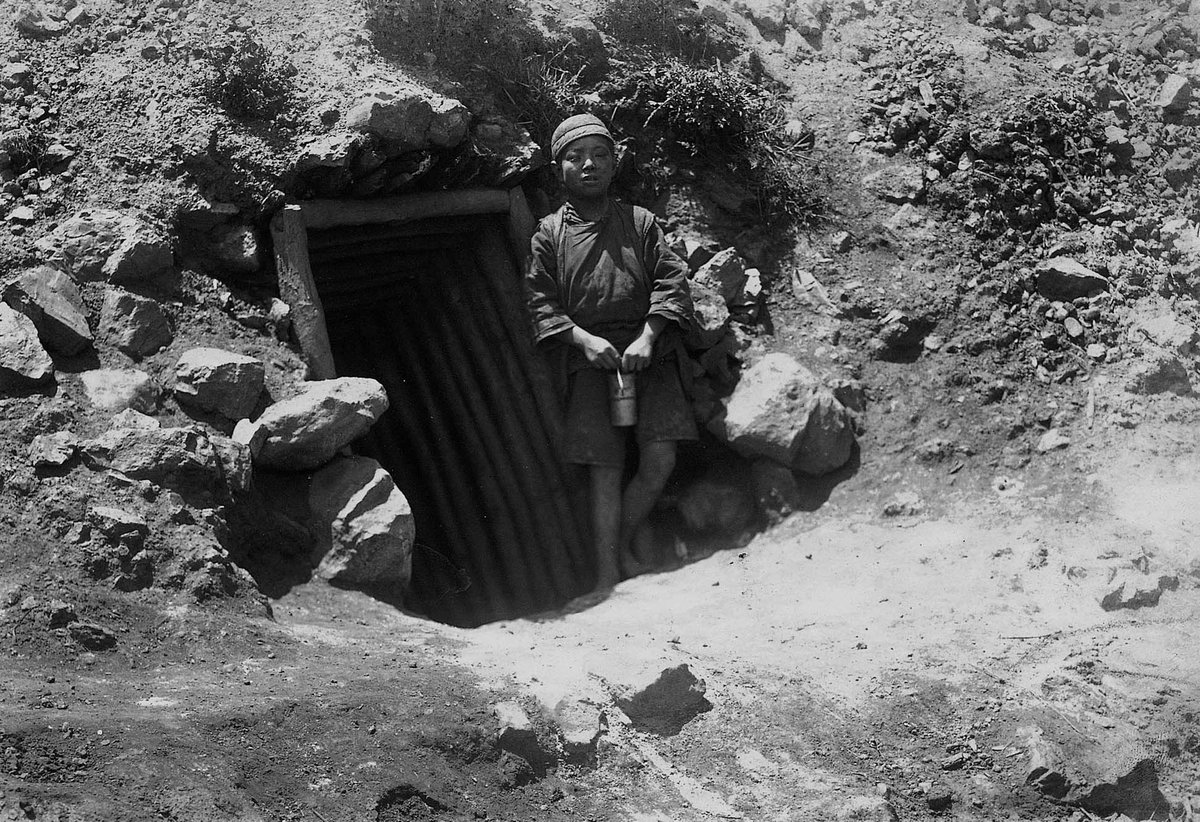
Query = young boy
x=603 y=282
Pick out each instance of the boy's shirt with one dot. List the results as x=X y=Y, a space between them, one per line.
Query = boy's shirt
x=606 y=276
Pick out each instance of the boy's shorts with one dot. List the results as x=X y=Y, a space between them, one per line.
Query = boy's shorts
x=663 y=413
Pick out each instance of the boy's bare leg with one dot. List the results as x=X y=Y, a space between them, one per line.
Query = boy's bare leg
x=606 y=522
x=656 y=461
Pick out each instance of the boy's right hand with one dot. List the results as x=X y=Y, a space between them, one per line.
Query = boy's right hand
x=600 y=352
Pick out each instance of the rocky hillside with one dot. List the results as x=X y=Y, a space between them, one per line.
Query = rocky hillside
x=933 y=244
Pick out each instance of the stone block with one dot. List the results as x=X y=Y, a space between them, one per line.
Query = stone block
x=23 y=360
x=1063 y=278
x=212 y=379
x=134 y=324
x=304 y=432
x=666 y=703
x=363 y=524
x=51 y=300
x=118 y=389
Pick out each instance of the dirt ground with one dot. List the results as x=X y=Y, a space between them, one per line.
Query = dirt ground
x=904 y=647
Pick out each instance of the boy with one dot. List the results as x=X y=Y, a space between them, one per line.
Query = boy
x=603 y=283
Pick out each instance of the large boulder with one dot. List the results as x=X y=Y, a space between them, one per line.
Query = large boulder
x=410 y=119
x=779 y=411
x=100 y=244
x=23 y=361
x=51 y=300
x=197 y=464
x=304 y=432
x=134 y=324
x=1063 y=278
x=117 y=389
x=362 y=522
x=212 y=379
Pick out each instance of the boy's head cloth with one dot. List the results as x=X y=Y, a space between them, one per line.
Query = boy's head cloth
x=572 y=128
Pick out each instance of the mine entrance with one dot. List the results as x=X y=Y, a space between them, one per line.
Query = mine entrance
x=432 y=308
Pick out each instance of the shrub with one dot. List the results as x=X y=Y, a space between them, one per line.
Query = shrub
x=26 y=148
x=247 y=79
x=716 y=116
x=541 y=93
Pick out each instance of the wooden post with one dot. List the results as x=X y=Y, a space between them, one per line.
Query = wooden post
x=521 y=226
x=298 y=290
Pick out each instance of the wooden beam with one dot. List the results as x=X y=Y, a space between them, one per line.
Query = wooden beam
x=521 y=226
x=319 y=214
x=297 y=289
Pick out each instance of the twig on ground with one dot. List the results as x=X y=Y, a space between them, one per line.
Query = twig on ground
x=1031 y=636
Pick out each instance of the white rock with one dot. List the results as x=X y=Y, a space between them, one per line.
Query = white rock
x=363 y=524
x=1174 y=94
x=23 y=361
x=216 y=380
x=52 y=450
x=1051 y=440
x=305 y=431
x=711 y=318
x=114 y=389
x=778 y=411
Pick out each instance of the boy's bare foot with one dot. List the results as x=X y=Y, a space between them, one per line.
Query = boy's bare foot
x=638 y=557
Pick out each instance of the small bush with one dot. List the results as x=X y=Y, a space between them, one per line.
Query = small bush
x=26 y=148
x=541 y=93
x=247 y=79
x=716 y=116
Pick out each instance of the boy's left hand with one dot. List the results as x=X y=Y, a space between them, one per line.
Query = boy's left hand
x=637 y=355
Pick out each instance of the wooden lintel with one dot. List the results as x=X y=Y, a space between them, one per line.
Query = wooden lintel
x=297 y=289
x=318 y=214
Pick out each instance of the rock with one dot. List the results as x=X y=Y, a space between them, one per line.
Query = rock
x=33 y=21
x=91 y=636
x=1180 y=168
x=1113 y=773
x=516 y=734
x=23 y=361
x=23 y=215
x=1132 y=590
x=1051 y=440
x=410 y=119
x=329 y=151
x=115 y=389
x=51 y=300
x=904 y=504
x=236 y=250
x=1157 y=372
x=1116 y=142
x=508 y=153
x=745 y=306
x=725 y=274
x=130 y=418
x=828 y=436
x=692 y=250
x=898 y=184
x=777 y=411
x=775 y=489
x=580 y=724
x=134 y=324
x=715 y=504
x=61 y=614
x=115 y=523
x=710 y=318
x=663 y=706
x=363 y=524
x=1174 y=94
x=304 y=432
x=939 y=798
x=215 y=380
x=52 y=450
x=1097 y=351
x=1166 y=331
x=768 y=16
x=13 y=75
x=1062 y=278
x=199 y=465
x=100 y=244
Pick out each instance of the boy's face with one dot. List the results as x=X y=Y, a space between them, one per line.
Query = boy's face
x=586 y=167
